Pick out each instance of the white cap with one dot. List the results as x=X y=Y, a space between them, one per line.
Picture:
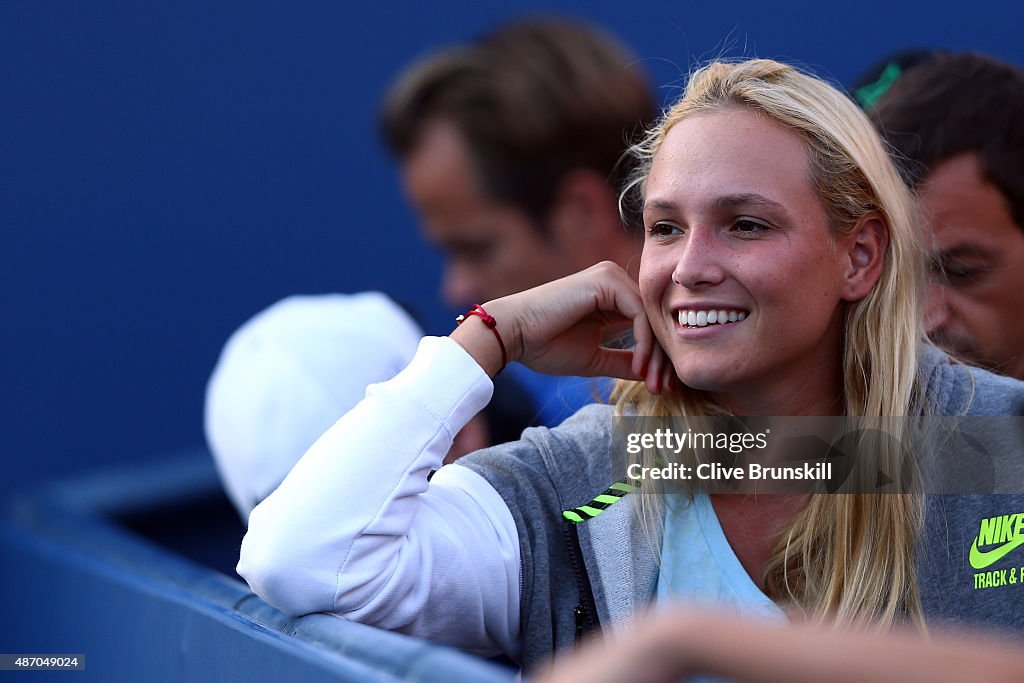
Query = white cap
x=288 y=374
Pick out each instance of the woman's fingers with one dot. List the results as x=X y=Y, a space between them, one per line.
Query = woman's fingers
x=623 y=298
x=630 y=306
x=643 y=345
x=613 y=363
x=557 y=328
x=669 y=379
x=655 y=371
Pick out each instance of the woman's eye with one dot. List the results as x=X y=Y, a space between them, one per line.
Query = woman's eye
x=748 y=227
x=662 y=230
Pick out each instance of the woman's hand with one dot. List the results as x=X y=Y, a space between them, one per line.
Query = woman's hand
x=557 y=328
x=656 y=648
x=667 y=646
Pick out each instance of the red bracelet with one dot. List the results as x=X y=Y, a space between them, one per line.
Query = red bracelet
x=489 y=320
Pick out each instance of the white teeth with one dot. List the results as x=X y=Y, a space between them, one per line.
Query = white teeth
x=703 y=318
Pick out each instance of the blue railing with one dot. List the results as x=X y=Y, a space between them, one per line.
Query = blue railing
x=135 y=570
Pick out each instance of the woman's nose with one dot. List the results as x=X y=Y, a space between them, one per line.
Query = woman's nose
x=699 y=261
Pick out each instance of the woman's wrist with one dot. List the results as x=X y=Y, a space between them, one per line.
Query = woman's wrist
x=478 y=340
x=486 y=336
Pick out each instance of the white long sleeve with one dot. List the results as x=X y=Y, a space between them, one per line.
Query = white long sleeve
x=355 y=529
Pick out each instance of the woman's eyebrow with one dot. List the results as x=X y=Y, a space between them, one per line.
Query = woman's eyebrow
x=725 y=201
x=660 y=204
x=746 y=199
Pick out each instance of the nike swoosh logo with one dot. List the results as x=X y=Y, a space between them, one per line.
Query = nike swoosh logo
x=981 y=559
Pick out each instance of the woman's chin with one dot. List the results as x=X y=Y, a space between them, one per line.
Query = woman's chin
x=708 y=378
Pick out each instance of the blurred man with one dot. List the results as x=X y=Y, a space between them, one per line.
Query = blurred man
x=958 y=123
x=511 y=150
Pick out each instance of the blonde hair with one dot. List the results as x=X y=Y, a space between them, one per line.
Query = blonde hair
x=849 y=557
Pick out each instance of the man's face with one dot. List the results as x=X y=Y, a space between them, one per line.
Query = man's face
x=975 y=309
x=491 y=249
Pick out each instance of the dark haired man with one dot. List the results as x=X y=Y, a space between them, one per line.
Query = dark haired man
x=510 y=150
x=956 y=122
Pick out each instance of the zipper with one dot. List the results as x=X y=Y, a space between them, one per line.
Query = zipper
x=585 y=612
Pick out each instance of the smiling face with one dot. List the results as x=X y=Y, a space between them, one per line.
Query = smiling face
x=734 y=226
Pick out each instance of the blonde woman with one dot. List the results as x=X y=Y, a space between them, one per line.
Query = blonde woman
x=775 y=218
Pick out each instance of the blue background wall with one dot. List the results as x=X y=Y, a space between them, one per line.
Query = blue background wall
x=168 y=169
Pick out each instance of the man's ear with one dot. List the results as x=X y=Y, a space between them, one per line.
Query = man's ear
x=584 y=220
x=866 y=248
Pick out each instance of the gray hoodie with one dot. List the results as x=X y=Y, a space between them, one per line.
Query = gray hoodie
x=578 y=577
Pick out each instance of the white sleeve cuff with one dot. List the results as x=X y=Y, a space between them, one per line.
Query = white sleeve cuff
x=445 y=380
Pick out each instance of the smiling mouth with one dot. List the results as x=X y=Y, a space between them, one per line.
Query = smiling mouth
x=693 y=317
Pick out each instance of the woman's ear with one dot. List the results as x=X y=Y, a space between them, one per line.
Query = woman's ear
x=866 y=248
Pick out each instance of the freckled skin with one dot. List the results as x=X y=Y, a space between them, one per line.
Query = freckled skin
x=976 y=312
x=771 y=258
